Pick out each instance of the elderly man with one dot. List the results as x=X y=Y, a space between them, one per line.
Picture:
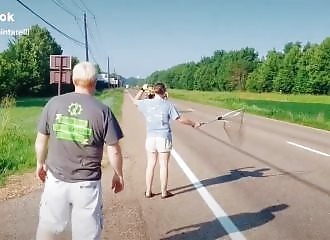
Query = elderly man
x=72 y=131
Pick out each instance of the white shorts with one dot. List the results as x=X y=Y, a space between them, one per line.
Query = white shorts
x=158 y=144
x=80 y=201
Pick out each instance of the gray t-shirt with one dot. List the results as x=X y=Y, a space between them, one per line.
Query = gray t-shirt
x=158 y=113
x=79 y=126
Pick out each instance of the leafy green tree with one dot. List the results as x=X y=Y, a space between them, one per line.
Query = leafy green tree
x=262 y=79
x=6 y=73
x=28 y=60
x=187 y=76
x=320 y=68
x=286 y=78
x=303 y=79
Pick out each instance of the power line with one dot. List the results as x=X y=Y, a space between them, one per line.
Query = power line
x=92 y=36
x=90 y=33
x=91 y=49
x=89 y=45
x=63 y=7
x=81 y=31
x=100 y=35
x=97 y=46
x=91 y=53
x=86 y=8
x=51 y=25
x=74 y=2
x=63 y=4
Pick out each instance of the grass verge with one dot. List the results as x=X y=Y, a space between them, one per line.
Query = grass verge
x=114 y=99
x=18 y=121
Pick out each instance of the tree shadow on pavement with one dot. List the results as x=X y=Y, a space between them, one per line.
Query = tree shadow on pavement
x=233 y=175
x=213 y=229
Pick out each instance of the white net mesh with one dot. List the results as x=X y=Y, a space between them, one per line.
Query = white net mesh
x=234 y=127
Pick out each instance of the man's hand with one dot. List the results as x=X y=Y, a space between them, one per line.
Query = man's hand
x=117 y=183
x=41 y=172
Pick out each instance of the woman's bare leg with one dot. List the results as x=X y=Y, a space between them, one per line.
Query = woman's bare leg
x=152 y=160
x=163 y=162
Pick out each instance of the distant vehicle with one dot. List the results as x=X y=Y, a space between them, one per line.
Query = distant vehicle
x=102 y=77
x=126 y=86
x=102 y=81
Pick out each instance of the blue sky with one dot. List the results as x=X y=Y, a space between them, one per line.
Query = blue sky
x=142 y=36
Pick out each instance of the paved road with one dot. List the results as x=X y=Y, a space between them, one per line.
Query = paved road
x=275 y=186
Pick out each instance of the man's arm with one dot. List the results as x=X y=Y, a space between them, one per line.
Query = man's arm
x=116 y=161
x=41 y=146
x=116 y=158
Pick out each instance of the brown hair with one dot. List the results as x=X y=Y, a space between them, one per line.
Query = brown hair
x=160 y=88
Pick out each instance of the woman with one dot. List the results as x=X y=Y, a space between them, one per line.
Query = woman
x=158 y=112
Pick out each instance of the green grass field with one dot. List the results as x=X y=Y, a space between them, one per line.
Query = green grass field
x=308 y=110
x=18 y=121
x=113 y=98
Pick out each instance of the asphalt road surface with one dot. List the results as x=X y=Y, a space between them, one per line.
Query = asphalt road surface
x=273 y=186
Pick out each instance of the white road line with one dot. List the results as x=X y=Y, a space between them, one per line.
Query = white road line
x=217 y=210
x=309 y=149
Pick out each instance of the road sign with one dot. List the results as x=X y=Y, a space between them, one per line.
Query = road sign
x=61 y=70
x=60 y=61
x=55 y=76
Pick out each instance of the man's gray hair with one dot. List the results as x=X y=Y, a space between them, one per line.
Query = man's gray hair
x=84 y=74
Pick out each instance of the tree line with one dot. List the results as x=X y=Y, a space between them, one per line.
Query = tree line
x=297 y=69
x=24 y=69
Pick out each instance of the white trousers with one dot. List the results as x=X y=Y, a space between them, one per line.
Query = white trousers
x=60 y=201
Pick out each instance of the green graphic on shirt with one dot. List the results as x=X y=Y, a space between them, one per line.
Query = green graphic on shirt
x=71 y=128
x=75 y=109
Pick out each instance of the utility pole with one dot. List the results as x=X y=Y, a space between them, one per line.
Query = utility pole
x=86 y=40
x=109 y=72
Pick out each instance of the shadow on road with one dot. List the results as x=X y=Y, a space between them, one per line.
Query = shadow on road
x=233 y=175
x=213 y=229
x=283 y=172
